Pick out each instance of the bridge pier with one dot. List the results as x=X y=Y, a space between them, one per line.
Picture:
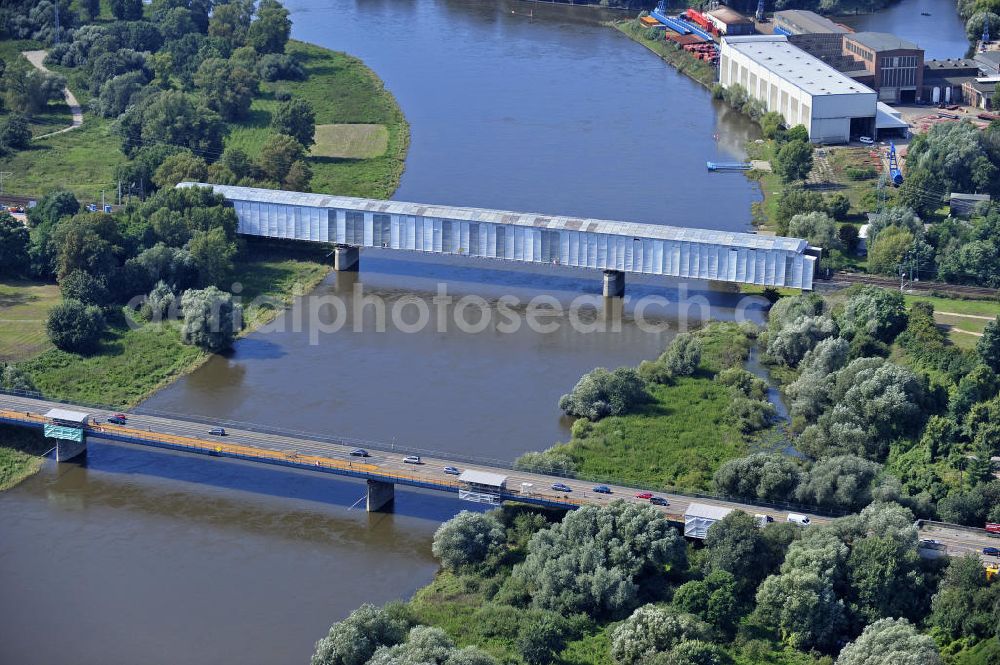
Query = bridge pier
x=67 y=450
x=380 y=495
x=346 y=258
x=614 y=284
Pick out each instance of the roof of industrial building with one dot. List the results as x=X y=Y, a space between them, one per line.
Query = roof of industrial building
x=67 y=416
x=888 y=118
x=707 y=511
x=882 y=41
x=794 y=65
x=729 y=16
x=536 y=220
x=482 y=478
x=808 y=22
x=950 y=64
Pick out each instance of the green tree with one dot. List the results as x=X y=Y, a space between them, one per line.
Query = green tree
x=211 y=319
x=30 y=90
x=354 y=640
x=844 y=482
x=885 y=256
x=14 y=132
x=601 y=393
x=735 y=546
x=770 y=124
x=297 y=119
x=231 y=22
x=714 y=599
x=794 y=200
x=278 y=154
x=789 y=345
x=966 y=604
x=82 y=287
x=212 y=254
x=816 y=227
x=468 y=539
x=768 y=476
x=90 y=9
x=988 y=346
x=793 y=161
x=652 y=630
x=228 y=88
x=804 y=607
x=172 y=118
x=75 y=327
x=596 y=558
x=548 y=462
x=838 y=206
x=298 y=177
x=88 y=241
x=540 y=638
x=181 y=167
x=880 y=312
x=13 y=377
x=13 y=246
x=891 y=642
x=270 y=32
x=693 y=652
x=126 y=10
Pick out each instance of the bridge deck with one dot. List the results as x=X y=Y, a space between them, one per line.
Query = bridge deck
x=301 y=452
x=525 y=237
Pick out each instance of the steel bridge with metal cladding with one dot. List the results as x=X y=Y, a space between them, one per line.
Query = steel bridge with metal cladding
x=616 y=248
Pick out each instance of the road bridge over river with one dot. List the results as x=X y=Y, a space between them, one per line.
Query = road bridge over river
x=614 y=247
x=386 y=468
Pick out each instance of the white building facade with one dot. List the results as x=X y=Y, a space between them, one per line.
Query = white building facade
x=802 y=88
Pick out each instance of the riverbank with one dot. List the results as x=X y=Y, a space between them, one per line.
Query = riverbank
x=133 y=363
x=682 y=61
x=84 y=161
x=20 y=455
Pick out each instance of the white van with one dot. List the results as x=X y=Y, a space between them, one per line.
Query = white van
x=796 y=518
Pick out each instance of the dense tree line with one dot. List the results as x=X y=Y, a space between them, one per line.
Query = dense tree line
x=173 y=76
x=851 y=592
x=179 y=242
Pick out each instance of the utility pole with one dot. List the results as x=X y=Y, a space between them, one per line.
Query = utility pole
x=4 y=174
x=56 y=5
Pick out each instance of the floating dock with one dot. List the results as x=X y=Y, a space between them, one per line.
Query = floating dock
x=729 y=166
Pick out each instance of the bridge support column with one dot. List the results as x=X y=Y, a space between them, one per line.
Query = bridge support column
x=67 y=450
x=346 y=258
x=614 y=284
x=380 y=495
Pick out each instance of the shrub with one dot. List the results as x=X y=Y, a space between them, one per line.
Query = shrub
x=75 y=327
x=211 y=320
x=602 y=393
x=468 y=539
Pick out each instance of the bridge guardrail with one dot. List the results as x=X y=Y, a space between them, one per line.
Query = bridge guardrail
x=456 y=457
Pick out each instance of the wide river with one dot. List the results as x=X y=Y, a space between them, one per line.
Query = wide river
x=142 y=556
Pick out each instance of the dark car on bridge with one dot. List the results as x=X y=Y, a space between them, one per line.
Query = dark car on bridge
x=658 y=501
x=602 y=489
x=359 y=452
x=117 y=420
x=991 y=551
x=452 y=471
x=217 y=431
x=561 y=487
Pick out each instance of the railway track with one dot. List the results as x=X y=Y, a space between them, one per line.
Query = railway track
x=889 y=283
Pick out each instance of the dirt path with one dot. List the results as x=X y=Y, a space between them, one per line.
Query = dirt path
x=967 y=316
x=37 y=59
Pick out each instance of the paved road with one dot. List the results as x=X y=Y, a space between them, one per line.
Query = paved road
x=37 y=58
x=381 y=462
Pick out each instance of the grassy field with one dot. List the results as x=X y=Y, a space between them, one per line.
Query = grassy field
x=679 y=439
x=350 y=141
x=133 y=363
x=20 y=451
x=989 y=308
x=24 y=307
x=342 y=91
x=965 y=316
